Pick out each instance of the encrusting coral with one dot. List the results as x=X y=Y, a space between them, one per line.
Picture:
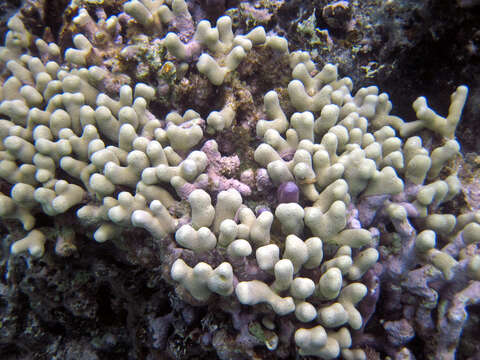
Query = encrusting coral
x=351 y=179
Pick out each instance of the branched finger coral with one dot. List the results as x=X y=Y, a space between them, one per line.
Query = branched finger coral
x=287 y=219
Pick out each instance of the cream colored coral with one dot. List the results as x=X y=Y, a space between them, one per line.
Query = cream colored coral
x=34 y=242
x=255 y=292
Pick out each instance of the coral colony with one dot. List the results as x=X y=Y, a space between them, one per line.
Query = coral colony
x=286 y=221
